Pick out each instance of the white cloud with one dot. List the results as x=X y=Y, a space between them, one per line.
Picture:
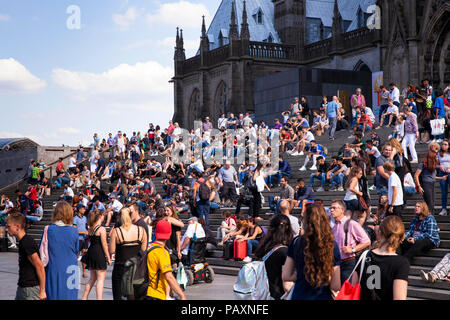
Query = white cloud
x=16 y=79
x=4 y=17
x=182 y=13
x=69 y=130
x=142 y=79
x=127 y=19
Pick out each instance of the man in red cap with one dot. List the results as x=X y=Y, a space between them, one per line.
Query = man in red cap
x=159 y=267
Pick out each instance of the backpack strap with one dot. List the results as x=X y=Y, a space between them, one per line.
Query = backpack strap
x=346 y=227
x=267 y=256
x=158 y=273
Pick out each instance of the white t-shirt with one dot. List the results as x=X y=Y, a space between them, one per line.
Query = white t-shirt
x=121 y=142
x=309 y=136
x=72 y=162
x=395 y=95
x=116 y=205
x=294 y=225
x=394 y=181
x=69 y=192
x=377 y=152
x=190 y=234
x=393 y=109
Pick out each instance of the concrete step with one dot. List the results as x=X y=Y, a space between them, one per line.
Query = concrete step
x=417 y=281
x=428 y=293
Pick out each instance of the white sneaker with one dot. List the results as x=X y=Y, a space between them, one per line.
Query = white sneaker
x=13 y=246
x=313 y=168
x=247 y=259
x=414 y=161
x=302 y=168
x=340 y=189
x=351 y=137
x=295 y=154
x=372 y=188
x=443 y=212
x=301 y=153
x=320 y=189
x=424 y=276
x=439 y=140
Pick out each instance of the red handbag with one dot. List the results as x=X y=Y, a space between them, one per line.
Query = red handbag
x=349 y=292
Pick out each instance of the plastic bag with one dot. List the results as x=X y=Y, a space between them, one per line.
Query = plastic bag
x=181 y=275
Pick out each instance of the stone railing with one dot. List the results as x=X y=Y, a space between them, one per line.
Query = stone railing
x=191 y=65
x=266 y=50
x=217 y=55
x=359 y=37
x=318 y=49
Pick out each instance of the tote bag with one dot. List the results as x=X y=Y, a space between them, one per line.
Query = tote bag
x=349 y=292
x=437 y=127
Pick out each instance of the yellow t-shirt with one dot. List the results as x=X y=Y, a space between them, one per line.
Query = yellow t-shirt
x=158 y=259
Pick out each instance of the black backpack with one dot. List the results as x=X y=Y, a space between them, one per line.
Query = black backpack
x=203 y=191
x=135 y=279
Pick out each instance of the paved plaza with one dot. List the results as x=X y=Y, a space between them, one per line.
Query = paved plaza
x=220 y=289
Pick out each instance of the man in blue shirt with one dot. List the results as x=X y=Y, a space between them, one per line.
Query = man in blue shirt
x=79 y=222
x=315 y=151
x=332 y=113
x=440 y=112
x=284 y=171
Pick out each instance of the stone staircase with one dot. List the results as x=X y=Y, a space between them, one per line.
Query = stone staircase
x=417 y=288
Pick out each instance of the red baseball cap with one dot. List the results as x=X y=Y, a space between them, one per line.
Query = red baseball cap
x=163 y=230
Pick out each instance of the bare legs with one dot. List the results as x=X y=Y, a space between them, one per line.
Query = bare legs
x=99 y=277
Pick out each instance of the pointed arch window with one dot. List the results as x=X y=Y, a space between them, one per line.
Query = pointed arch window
x=194 y=105
x=221 y=98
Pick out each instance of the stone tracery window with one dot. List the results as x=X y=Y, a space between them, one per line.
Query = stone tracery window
x=221 y=98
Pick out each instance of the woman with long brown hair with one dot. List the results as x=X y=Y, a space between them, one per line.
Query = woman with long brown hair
x=353 y=191
x=423 y=233
x=97 y=256
x=425 y=176
x=392 y=271
x=313 y=259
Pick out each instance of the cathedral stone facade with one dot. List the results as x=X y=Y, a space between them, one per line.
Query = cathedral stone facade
x=250 y=39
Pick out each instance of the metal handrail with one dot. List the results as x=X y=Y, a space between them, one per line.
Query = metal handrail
x=49 y=167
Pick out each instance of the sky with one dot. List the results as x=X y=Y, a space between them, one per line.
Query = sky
x=69 y=69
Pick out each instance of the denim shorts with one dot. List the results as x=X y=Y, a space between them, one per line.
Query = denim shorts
x=352 y=205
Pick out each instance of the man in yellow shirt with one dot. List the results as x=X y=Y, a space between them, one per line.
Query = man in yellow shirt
x=159 y=267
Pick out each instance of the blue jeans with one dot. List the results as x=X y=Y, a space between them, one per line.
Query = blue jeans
x=214 y=206
x=241 y=176
x=250 y=245
x=203 y=207
x=32 y=218
x=61 y=180
x=333 y=123
x=338 y=180
x=383 y=109
x=381 y=191
x=321 y=177
x=367 y=127
x=274 y=205
x=444 y=187
x=276 y=178
x=169 y=139
x=346 y=269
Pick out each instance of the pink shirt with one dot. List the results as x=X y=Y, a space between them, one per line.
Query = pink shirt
x=359 y=100
x=356 y=235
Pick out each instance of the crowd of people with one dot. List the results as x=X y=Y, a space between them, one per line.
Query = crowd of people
x=318 y=252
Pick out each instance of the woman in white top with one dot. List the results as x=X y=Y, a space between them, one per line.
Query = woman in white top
x=353 y=191
x=444 y=171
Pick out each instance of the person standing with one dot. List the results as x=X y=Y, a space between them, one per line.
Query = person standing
x=203 y=206
x=313 y=259
x=127 y=240
x=381 y=178
x=425 y=175
x=228 y=180
x=350 y=237
x=58 y=250
x=411 y=134
x=31 y=283
x=158 y=264
x=394 y=269
x=395 y=190
x=278 y=237
x=357 y=100
x=97 y=256
x=444 y=173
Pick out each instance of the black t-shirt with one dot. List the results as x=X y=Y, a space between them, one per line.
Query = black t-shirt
x=27 y=273
x=172 y=243
x=274 y=265
x=391 y=268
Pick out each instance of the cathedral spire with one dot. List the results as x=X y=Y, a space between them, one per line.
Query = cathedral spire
x=245 y=32
x=179 y=48
x=178 y=39
x=204 y=43
x=337 y=19
x=233 y=33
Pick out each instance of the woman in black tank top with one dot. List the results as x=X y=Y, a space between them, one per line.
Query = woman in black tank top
x=124 y=250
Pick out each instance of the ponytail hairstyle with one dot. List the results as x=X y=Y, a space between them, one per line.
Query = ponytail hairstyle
x=391 y=232
x=279 y=233
x=94 y=216
x=125 y=215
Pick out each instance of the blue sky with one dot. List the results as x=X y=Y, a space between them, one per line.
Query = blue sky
x=60 y=85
